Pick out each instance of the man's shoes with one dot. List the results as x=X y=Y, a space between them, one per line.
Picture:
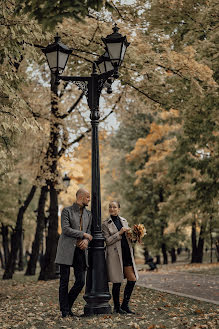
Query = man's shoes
x=65 y=314
x=119 y=310
x=126 y=309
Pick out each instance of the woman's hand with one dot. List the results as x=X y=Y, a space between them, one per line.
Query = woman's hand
x=123 y=230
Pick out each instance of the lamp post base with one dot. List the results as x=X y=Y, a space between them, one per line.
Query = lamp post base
x=97 y=293
x=96 y=306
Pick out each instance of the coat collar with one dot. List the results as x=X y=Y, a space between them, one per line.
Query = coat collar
x=76 y=207
x=109 y=219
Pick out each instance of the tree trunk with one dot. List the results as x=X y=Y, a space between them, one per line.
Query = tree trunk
x=158 y=259
x=31 y=266
x=48 y=270
x=5 y=242
x=21 y=255
x=200 y=247
x=10 y=265
x=146 y=254
x=194 y=246
x=173 y=255
x=197 y=251
x=164 y=251
x=2 y=260
x=217 y=248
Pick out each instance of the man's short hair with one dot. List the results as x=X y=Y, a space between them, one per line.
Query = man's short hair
x=79 y=192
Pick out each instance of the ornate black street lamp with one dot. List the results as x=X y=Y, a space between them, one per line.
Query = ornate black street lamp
x=97 y=293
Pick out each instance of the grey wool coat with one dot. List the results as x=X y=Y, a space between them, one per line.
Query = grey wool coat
x=70 y=222
x=114 y=250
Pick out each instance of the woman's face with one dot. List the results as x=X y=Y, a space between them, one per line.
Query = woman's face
x=113 y=209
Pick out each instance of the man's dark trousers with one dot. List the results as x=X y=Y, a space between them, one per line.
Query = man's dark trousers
x=66 y=299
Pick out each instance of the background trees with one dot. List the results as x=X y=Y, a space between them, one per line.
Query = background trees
x=159 y=151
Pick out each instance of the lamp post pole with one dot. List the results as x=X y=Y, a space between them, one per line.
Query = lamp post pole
x=97 y=293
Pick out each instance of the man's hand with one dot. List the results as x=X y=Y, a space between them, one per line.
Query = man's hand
x=87 y=236
x=83 y=244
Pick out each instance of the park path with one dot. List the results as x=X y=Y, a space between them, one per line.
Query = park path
x=198 y=286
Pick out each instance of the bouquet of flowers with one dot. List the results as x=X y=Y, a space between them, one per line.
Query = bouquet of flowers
x=136 y=233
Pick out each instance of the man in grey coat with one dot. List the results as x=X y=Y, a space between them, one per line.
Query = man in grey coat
x=72 y=249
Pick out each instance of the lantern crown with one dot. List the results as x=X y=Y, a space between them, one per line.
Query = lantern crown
x=116 y=45
x=57 y=55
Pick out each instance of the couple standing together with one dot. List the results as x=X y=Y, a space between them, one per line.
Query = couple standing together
x=72 y=252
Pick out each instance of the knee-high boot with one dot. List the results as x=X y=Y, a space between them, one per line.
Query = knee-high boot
x=127 y=294
x=116 y=293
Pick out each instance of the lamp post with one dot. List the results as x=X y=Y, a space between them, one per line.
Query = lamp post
x=97 y=293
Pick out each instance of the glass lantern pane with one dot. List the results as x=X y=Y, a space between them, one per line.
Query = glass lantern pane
x=114 y=51
x=109 y=66
x=63 y=57
x=101 y=67
x=123 y=51
x=52 y=60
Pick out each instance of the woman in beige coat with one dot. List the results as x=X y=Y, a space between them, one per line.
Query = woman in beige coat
x=119 y=257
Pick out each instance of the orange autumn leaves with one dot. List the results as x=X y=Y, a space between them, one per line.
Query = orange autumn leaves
x=158 y=144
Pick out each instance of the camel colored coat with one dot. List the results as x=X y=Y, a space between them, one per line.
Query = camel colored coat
x=114 y=250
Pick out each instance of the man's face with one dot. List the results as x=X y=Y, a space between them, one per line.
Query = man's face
x=85 y=199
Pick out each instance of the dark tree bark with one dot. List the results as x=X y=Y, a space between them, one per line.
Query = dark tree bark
x=158 y=259
x=197 y=250
x=48 y=269
x=194 y=246
x=173 y=255
x=17 y=235
x=2 y=260
x=5 y=242
x=164 y=251
x=200 y=247
x=21 y=254
x=146 y=255
x=31 y=266
x=217 y=248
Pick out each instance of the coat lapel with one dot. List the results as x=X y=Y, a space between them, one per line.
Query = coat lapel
x=124 y=222
x=75 y=211
x=111 y=226
x=85 y=220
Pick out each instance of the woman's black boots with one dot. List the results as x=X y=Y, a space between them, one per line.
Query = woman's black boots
x=116 y=293
x=127 y=294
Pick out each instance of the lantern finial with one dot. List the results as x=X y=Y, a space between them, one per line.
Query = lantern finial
x=57 y=37
x=115 y=28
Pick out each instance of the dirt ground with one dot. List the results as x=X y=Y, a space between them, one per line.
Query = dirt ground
x=28 y=303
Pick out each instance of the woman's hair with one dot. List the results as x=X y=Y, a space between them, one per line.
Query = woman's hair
x=117 y=202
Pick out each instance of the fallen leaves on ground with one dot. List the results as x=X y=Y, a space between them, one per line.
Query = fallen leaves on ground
x=34 y=305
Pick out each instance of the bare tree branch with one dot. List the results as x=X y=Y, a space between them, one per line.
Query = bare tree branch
x=72 y=107
x=143 y=93
x=79 y=138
